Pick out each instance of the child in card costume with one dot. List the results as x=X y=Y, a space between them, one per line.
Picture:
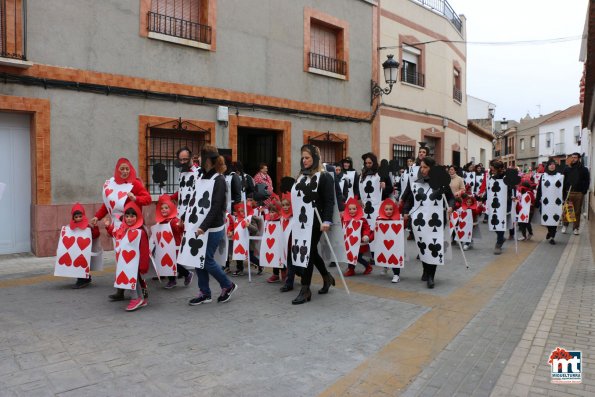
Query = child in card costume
x=550 y=199
x=465 y=226
x=166 y=236
x=499 y=203
x=122 y=188
x=313 y=191
x=357 y=235
x=389 y=239
x=286 y=223
x=132 y=253
x=372 y=188
x=525 y=199
x=74 y=253
x=425 y=207
x=244 y=226
x=273 y=246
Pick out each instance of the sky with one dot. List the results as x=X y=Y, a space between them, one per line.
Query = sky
x=521 y=79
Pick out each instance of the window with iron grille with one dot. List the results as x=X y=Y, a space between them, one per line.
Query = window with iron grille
x=185 y=19
x=13 y=32
x=401 y=153
x=333 y=149
x=163 y=141
x=457 y=93
x=411 y=69
x=326 y=48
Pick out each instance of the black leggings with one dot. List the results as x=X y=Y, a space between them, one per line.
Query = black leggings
x=551 y=231
x=429 y=269
x=315 y=258
x=182 y=271
x=525 y=227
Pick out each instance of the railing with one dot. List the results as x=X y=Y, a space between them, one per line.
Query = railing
x=443 y=8
x=328 y=64
x=413 y=78
x=13 y=29
x=457 y=94
x=177 y=27
x=559 y=149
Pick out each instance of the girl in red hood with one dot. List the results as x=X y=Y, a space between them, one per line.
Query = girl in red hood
x=133 y=220
x=167 y=212
x=286 y=217
x=354 y=212
x=253 y=229
x=389 y=211
x=274 y=213
x=525 y=227
x=78 y=220
x=470 y=203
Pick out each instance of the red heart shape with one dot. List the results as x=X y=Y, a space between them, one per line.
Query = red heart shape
x=121 y=195
x=112 y=204
x=128 y=255
x=350 y=256
x=460 y=233
x=346 y=246
x=68 y=241
x=393 y=260
x=396 y=227
x=356 y=224
x=158 y=237
x=349 y=231
x=80 y=261
x=270 y=242
x=240 y=250
x=381 y=258
x=166 y=261
x=353 y=239
x=132 y=235
x=389 y=244
x=455 y=215
x=236 y=236
x=270 y=256
x=108 y=192
x=122 y=278
x=83 y=242
x=384 y=227
x=65 y=260
x=167 y=236
x=463 y=214
x=462 y=225
x=272 y=227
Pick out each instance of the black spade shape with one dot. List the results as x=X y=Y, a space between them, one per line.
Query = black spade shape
x=558 y=201
x=558 y=184
x=556 y=217
x=546 y=201
x=547 y=184
x=545 y=217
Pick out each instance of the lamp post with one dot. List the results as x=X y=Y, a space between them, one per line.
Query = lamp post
x=390 y=67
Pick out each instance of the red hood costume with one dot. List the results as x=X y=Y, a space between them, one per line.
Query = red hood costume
x=396 y=215
x=143 y=264
x=131 y=176
x=173 y=210
x=289 y=213
x=239 y=209
x=278 y=209
x=359 y=213
x=83 y=223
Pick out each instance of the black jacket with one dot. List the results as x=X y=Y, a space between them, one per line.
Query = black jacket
x=236 y=188
x=577 y=177
x=216 y=216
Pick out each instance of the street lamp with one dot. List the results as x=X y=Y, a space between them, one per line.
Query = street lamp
x=390 y=67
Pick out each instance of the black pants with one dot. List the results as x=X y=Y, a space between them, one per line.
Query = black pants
x=397 y=271
x=551 y=231
x=525 y=227
x=430 y=270
x=315 y=258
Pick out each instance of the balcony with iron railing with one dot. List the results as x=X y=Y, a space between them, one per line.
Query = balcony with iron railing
x=443 y=8
x=327 y=64
x=179 y=28
x=457 y=94
x=13 y=32
x=414 y=78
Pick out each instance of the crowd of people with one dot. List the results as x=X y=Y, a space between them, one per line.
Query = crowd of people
x=220 y=215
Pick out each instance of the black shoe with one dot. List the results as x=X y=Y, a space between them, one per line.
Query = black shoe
x=430 y=282
x=259 y=272
x=328 y=281
x=332 y=264
x=118 y=296
x=81 y=283
x=226 y=293
x=286 y=288
x=200 y=299
x=552 y=242
x=424 y=276
x=304 y=296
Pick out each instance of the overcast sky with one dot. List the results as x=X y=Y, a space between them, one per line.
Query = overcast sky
x=519 y=78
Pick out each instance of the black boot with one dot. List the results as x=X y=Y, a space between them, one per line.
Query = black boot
x=424 y=276
x=430 y=282
x=328 y=281
x=118 y=296
x=304 y=296
x=286 y=288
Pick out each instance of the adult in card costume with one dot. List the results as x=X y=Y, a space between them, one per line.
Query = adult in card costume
x=499 y=202
x=204 y=229
x=372 y=188
x=550 y=199
x=124 y=187
x=576 y=185
x=350 y=178
x=313 y=190
x=424 y=205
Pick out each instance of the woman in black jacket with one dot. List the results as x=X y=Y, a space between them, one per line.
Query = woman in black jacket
x=315 y=187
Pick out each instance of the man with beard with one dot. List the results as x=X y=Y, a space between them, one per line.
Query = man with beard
x=576 y=181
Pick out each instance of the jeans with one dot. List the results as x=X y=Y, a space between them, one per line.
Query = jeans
x=576 y=198
x=211 y=267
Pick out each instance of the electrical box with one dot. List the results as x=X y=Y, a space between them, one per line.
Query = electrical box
x=222 y=114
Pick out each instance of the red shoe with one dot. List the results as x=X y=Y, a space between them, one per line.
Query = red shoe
x=350 y=272
x=410 y=236
x=134 y=304
x=369 y=269
x=273 y=279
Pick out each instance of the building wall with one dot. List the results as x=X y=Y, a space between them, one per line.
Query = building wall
x=475 y=144
x=528 y=156
x=478 y=108
x=412 y=108
x=559 y=147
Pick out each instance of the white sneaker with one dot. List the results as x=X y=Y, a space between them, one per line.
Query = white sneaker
x=396 y=278
x=563 y=230
x=521 y=238
x=466 y=247
x=576 y=232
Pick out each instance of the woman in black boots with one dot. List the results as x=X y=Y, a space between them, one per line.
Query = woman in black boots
x=313 y=192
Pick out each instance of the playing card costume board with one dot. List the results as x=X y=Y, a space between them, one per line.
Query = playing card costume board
x=389 y=243
x=114 y=196
x=272 y=252
x=470 y=182
x=352 y=232
x=427 y=223
x=186 y=182
x=302 y=204
x=193 y=247
x=127 y=259
x=349 y=180
x=496 y=204
x=371 y=196
x=73 y=256
x=551 y=199
x=461 y=225
x=523 y=207
x=162 y=245
x=241 y=239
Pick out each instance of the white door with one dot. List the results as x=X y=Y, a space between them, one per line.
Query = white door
x=15 y=173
